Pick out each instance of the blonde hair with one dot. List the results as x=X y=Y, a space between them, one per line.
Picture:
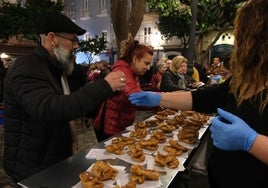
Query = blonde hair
x=176 y=63
x=161 y=62
x=249 y=60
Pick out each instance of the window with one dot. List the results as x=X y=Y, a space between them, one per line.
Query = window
x=71 y=11
x=147 y=9
x=85 y=10
x=86 y=36
x=129 y=6
x=147 y=34
x=103 y=7
x=104 y=34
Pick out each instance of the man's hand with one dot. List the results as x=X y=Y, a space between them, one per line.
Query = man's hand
x=116 y=80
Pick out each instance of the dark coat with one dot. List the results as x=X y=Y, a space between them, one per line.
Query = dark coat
x=37 y=133
x=77 y=78
x=3 y=72
x=170 y=82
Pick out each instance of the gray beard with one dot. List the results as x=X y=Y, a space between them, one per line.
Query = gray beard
x=66 y=58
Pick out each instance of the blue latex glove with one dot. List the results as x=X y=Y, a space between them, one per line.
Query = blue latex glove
x=145 y=98
x=216 y=77
x=229 y=132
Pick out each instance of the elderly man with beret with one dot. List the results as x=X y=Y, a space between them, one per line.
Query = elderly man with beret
x=39 y=108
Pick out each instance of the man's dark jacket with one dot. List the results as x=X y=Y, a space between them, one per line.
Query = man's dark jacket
x=36 y=113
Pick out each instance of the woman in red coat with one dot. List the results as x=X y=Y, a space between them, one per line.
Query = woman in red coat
x=116 y=113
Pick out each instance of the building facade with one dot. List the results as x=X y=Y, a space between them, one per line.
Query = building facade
x=95 y=17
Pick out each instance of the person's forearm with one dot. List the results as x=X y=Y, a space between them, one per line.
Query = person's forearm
x=259 y=148
x=177 y=100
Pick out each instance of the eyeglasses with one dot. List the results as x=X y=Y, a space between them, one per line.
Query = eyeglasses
x=73 y=40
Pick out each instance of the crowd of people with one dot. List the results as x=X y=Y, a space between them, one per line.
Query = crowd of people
x=97 y=70
x=45 y=92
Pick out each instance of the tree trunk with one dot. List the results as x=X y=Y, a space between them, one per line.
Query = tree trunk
x=126 y=21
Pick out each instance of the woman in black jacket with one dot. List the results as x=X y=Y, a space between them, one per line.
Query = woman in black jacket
x=176 y=77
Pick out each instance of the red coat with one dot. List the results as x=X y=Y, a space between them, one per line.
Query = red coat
x=156 y=78
x=120 y=113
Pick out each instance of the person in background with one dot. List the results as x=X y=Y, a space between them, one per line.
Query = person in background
x=213 y=71
x=103 y=68
x=117 y=113
x=225 y=70
x=201 y=72
x=176 y=77
x=239 y=131
x=157 y=76
x=195 y=74
x=145 y=79
x=168 y=63
x=39 y=108
x=85 y=66
x=214 y=68
x=92 y=72
x=3 y=72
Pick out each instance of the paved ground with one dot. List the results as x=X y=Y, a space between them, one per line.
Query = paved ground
x=87 y=139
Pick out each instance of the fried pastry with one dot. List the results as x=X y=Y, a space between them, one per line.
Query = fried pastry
x=168 y=160
x=149 y=144
x=159 y=135
x=188 y=136
x=123 y=139
x=138 y=174
x=139 y=133
x=187 y=133
x=166 y=127
x=172 y=150
x=140 y=125
x=151 y=123
x=176 y=145
x=104 y=171
x=89 y=180
x=136 y=153
x=117 y=148
x=130 y=184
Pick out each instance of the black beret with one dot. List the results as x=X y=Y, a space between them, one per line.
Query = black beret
x=58 y=23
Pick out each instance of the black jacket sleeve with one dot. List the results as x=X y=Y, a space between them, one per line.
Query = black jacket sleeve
x=210 y=98
x=39 y=93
